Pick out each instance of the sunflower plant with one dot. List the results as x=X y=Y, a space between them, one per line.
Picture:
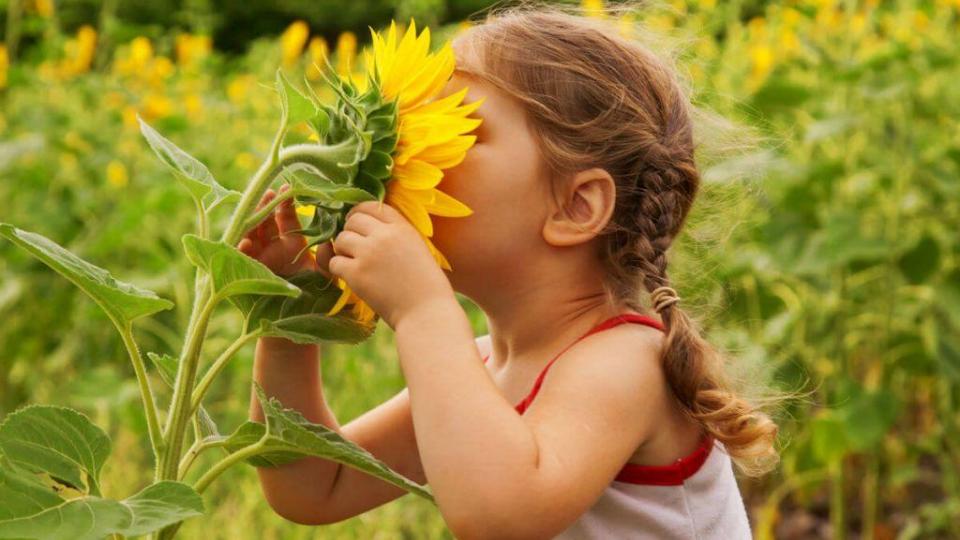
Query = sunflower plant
x=384 y=137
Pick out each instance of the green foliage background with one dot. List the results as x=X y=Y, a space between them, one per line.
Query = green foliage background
x=824 y=259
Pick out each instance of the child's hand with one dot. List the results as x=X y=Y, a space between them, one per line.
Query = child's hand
x=273 y=244
x=386 y=263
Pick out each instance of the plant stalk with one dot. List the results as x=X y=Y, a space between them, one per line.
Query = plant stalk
x=257 y=186
x=217 y=367
x=186 y=376
x=195 y=450
x=146 y=394
x=226 y=463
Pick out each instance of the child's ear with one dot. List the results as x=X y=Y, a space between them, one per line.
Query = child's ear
x=583 y=209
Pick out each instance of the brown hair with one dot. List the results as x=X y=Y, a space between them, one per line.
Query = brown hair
x=597 y=98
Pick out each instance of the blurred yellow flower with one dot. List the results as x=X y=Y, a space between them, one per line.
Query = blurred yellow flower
x=190 y=49
x=238 y=88
x=292 y=41
x=245 y=160
x=129 y=114
x=78 y=54
x=627 y=24
x=117 y=174
x=789 y=43
x=346 y=51
x=193 y=104
x=161 y=68
x=44 y=8
x=791 y=17
x=757 y=28
x=593 y=8
x=660 y=21
x=318 y=52
x=4 y=65
x=141 y=51
x=156 y=106
x=761 y=59
x=707 y=5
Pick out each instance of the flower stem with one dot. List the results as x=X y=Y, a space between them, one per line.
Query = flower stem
x=226 y=463
x=266 y=210
x=186 y=376
x=146 y=394
x=195 y=450
x=217 y=367
x=257 y=186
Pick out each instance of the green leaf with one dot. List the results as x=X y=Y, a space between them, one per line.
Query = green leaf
x=297 y=106
x=274 y=454
x=235 y=275
x=31 y=510
x=921 y=262
x=311 y=182
x=122 y=301
x=194 y=175
x=58 y=441
x=828 y=437
x=302 y=319
x=304 y=329
x=287 y=432
x=167 y=367
x=159 y=505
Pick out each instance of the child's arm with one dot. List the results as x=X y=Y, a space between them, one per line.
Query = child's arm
x=496 y=474
x=314 y=491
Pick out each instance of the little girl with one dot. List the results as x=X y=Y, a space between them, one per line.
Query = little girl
x=565 y=421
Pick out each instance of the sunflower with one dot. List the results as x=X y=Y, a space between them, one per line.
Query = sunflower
x=432 y=136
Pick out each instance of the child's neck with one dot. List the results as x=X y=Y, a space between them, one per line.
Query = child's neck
x=534 y=325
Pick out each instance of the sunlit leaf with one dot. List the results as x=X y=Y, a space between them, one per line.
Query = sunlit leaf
x=235 y=275
x=30 y=510
x=302 y=319
x=193 y=174
x=297 y=106
x=122 y=301
x=288 y=432
x=58 y=441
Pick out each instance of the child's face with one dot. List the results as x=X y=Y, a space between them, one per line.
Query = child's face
x=498 y=180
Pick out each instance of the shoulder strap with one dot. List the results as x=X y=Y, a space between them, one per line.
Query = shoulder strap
x=609 y=323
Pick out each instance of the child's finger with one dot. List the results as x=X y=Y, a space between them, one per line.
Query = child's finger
x=267 y=229
x=286 y=217
x=246 y=247
x=323 y=255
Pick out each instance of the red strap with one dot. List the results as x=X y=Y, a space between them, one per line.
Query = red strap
x=609 y=323
x=667 y=475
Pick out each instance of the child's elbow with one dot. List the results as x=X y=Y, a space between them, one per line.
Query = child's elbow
x=297 y=510
x=501 y=525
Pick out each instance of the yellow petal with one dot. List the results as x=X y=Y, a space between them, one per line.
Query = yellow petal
x=450 y=154
x=437 y=256
x=447 y=206
x=406 y=202
x=417 y=174
x=342 y=301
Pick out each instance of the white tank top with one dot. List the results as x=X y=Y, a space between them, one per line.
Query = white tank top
x=696 y=497
x=693 y=502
